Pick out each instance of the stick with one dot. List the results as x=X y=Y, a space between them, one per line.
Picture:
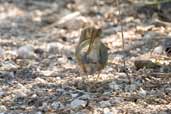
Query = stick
x=123 y=40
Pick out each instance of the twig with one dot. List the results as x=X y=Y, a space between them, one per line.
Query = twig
x=123 y=40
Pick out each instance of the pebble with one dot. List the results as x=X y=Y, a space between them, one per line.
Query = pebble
x=131 y=87
x=46 y=73
x=57 y=105
x=26 y=52
x=40 y=80
x=74 y=95
x=7 y=75
x=54 y=47
x=85 y=96
x=8 y=65
x=3 y=108
x=1 y=52
x=163 y=112
x=39 y=112
x=104 y=104
x=142 y=92
x=107 y=111
x=158 y=50
x=2 y=93
x=78 y=103
x=116 y=100
x=114 y=86
x=73 y=21
x=21 y=91
x=68 y=17
x=84 y=5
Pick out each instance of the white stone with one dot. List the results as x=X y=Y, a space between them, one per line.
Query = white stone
x=1 y=52
x=2 y=93
x=26 y=52
x=142 y=92
x=57 y=105
x=12 y=53
x=3 y=108
x=84 y=5
x=72 y=21
x=163 y=112
x=158 y=50
x=114 y=86
x=74 y=95
x=114 y=110
x=40 y=80
x=78 y=103
x=54 y=47
x=39 y=112
x=46 y=73
x=68 y=17
x=7 y=65
x=86 y=96
x=105 y=104
x=107 y=111
x=131 y=88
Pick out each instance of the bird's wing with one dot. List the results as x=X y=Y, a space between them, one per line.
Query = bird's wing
x=103 y=54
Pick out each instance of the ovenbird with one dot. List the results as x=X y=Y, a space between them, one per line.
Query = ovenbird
x=91 y=54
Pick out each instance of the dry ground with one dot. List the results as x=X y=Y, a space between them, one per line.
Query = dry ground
x=38 y=72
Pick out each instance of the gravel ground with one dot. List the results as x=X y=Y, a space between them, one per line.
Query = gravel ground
x=39 y=74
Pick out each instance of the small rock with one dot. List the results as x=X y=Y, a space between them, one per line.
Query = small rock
x=84 y=5
x=39 y=112
x=3 y=108
x=26 y=52
x=158 y=50
x=12 y=53
x=107 y=111
x=104 y=104
x=57 y=105
x=68 y=17
x=82 y=112
x=142 y=92
x=168 y=89
x=131 y=88
x=74 y=95
x=54 y=47
x=114 y=86
x=109 y=69
x=116 y=100
x=163 y=112
x=21 y=90
x=2 y=113
x=40 y=80
x=86 y=96
x=2 y=93
x=62 y=60
x=1 y=52
x=44 y=107
x=114 y=110
x=78 y=103
x=47 y=73
x=74 y=24
x=7 y=75
x=72 y=21
x=8 y=65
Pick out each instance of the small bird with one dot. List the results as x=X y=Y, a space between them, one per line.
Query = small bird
x=91 y=54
